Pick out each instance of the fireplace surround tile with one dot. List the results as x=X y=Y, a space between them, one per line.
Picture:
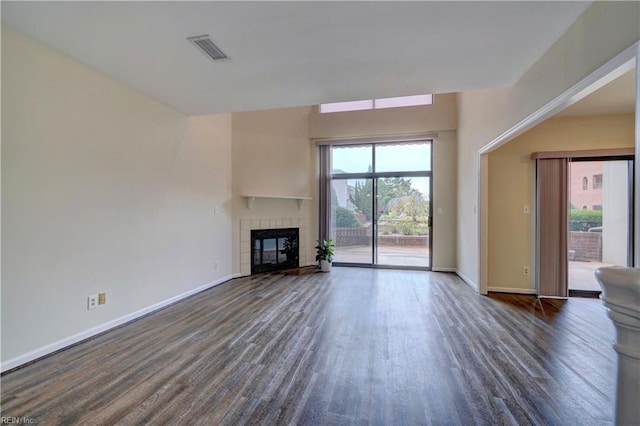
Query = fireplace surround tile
x=247 y=225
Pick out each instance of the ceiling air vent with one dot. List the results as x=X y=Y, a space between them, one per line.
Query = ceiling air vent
x=205 y=44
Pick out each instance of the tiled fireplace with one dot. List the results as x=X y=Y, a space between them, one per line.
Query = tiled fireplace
x=247 y=252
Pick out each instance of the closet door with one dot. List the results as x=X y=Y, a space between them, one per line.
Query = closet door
x=551 y=239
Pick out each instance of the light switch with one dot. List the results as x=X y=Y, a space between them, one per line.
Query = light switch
x=526 y=209
x=439 y=210
x=216 y=209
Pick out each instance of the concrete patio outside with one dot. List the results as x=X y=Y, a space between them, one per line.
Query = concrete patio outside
x=582 y=275
x=387 y=255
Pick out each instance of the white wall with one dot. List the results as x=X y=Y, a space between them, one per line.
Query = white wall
x=103 y=189
x=445 y=172
x=604 y=30
x=272 y=155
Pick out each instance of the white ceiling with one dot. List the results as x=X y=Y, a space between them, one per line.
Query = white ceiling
x=617 y=97
x=298 y=53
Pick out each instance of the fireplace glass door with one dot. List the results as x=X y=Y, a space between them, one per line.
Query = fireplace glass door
x=274 y=249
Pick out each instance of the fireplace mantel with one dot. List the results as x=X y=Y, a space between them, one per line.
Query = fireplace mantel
x=300 y=198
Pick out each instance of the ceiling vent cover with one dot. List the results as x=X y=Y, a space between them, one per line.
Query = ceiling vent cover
x=205 y=44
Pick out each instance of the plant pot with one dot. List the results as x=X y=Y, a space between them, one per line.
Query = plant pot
x=325 y=265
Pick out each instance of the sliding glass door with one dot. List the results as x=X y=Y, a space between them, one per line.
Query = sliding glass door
x=600 y=218
x=351 y=224
x=403 y=229
x=380 y=204
x=584 y=216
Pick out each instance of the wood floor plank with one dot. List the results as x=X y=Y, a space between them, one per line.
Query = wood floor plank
x=356 y=346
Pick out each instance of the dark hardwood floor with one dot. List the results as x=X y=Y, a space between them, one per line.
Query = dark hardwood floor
x=356 y=346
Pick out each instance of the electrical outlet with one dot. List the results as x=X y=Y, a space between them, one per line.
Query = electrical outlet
x=525 y=271
x=102 y=298
x=92 y=301
x=526 y=209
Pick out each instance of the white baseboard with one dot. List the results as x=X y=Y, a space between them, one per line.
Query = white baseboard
x=512 y=290
x=467 y=280
x=71 y=340
x=443 y=269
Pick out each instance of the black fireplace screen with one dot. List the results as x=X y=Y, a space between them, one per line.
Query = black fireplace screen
x=274 y=249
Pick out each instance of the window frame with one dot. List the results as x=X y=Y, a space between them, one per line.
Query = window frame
x=597 y=181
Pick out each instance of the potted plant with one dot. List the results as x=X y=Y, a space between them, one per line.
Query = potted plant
x=324 y=253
